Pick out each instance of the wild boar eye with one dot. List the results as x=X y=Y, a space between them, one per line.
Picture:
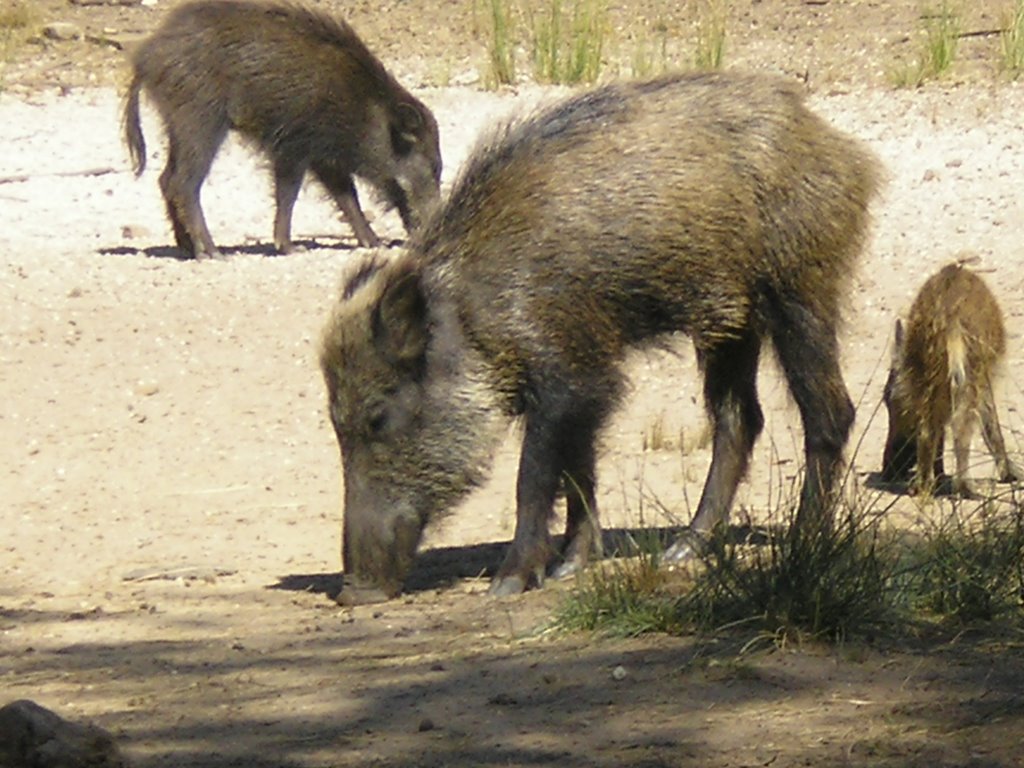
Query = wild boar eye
x=377 y=423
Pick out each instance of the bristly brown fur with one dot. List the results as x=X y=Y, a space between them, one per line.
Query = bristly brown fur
x=362 y=275
x=944 y=363
x=303 y=88
x=713 y=204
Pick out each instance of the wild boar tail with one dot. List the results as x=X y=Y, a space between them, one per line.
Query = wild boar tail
x=956 y=357
x=133 y=128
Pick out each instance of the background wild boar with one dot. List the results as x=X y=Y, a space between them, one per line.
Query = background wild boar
x=715 y=204
x=302 y=87
x=942 y=370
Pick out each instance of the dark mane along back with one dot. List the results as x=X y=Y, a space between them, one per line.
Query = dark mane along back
x=510 y=144
x=565 y=121
x=330 y=29
x=519 y=136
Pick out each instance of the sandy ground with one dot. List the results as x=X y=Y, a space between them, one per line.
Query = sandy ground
x=172 y=499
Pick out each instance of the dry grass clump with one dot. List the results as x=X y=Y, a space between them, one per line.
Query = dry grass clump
x=856 y=578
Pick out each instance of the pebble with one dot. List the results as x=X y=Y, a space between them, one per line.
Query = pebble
x=146 y=387
x=62 y=30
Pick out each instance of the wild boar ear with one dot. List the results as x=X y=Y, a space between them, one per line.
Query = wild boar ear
x=898 y=344
x=399 y=322
x=406 y=128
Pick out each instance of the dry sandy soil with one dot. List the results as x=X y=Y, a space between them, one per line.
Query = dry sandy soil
x=170 y=481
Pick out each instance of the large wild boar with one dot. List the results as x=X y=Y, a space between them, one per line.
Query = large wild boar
x=304 y=89
x=942 y=370
x=715 y=204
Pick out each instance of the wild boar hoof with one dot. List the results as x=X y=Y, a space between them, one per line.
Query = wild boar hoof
x=566 y=569
x=516 y=583
x=1013 y=474
x=966 y=490
x=503 y=586
x=352 y=595
x=690 y=546
x=916 y=488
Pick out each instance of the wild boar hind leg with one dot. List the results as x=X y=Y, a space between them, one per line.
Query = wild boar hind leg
x=188 y=163
x=730 y=391
x=582 y=529
x=288 y=174
x=808 y=350
x=1007 y=471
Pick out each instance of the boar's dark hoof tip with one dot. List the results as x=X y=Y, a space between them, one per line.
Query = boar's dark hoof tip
x=966 y=491
x=566 y=569
x=688 y=547
x=351 y=596
x=503 y=586
x=1012 y=476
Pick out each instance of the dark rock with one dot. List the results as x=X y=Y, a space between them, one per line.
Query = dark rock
x=32 y=736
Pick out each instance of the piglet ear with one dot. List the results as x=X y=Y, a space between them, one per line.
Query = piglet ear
x=406 y=129
x=399 y=322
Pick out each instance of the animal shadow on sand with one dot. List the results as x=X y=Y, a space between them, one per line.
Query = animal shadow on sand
x=876 y=482
x=443 y=566
x=253 y=249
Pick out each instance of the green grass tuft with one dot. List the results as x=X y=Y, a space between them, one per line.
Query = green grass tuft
x=970 y=567
x=710 y=50
x=624 y=597
x=500 y=48
x=1012 y=41
x=567 y=43
x=830 y=584
x=941 y=29
x=853 y=579
x=565 y=38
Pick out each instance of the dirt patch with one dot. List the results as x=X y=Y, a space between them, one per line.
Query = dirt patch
x=827 y=43
x=171 y=484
